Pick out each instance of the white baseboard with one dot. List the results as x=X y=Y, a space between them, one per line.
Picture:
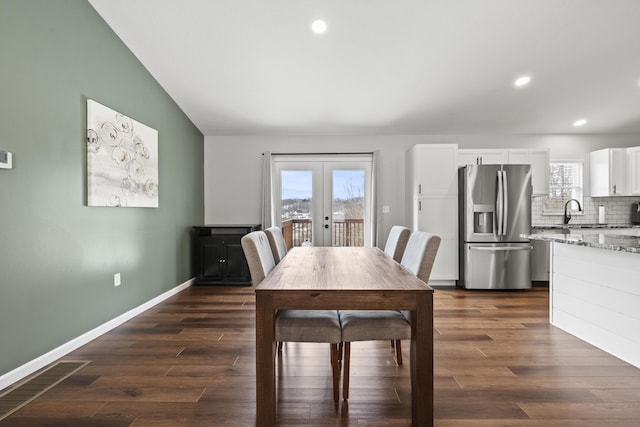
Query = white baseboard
x=40 y=362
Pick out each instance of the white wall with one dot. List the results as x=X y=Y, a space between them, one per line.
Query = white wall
x=233 y=164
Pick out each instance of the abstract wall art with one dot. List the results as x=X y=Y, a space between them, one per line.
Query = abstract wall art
x=122 y=160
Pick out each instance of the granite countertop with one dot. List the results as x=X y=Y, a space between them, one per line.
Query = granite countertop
x=578 y=226
x=612 y=242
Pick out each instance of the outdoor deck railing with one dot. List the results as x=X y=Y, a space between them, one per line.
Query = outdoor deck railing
x=347 y=232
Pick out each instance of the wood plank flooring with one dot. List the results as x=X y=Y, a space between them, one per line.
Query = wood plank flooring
x=190 y=361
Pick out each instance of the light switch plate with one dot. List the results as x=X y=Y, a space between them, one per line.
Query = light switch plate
x=6 y=160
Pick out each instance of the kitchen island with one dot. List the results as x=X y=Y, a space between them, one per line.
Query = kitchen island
x=595 y=290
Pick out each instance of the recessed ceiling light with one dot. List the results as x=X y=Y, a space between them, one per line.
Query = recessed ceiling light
x=522 y=81
x=319 y=26
x=580 y=122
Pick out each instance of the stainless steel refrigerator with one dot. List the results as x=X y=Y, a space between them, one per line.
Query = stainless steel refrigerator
x=494 y=211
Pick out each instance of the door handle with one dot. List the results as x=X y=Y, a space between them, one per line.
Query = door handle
x=499 y=204
x=505 y=209
x=326 y=226
x=500 y=249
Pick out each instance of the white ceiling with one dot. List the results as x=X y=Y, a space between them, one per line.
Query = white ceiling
x=253 y=67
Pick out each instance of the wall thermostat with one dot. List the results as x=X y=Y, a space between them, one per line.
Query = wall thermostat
x=6 y=160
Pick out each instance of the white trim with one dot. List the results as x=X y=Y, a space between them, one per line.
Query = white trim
x=40 y=362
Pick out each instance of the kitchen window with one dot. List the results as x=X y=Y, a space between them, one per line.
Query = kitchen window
x=565 y=182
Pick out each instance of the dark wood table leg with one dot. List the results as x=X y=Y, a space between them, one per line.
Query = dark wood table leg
x=265 y=362
x=422 y=362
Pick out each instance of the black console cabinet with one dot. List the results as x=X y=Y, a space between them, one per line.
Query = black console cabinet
x=218 y=255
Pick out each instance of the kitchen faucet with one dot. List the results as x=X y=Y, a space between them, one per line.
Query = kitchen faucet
x=567 y=215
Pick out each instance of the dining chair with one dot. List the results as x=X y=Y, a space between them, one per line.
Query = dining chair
x=277 y=243
x=295 y=325
x=394 y=325
x=395 y=246
x=397 y=242
x=278 y=249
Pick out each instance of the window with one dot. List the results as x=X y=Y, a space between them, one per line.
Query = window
x=565 y=182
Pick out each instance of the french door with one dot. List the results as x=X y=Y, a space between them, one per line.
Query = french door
x=323 y=200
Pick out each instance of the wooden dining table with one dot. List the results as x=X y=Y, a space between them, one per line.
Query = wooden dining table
x=344 y=278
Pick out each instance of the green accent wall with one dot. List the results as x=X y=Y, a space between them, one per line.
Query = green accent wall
x=57 y=255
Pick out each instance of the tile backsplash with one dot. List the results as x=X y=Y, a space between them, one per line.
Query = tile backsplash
x=617 y=211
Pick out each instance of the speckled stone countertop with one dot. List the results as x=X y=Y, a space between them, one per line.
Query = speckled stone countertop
x=612 y=242
x=578 y=226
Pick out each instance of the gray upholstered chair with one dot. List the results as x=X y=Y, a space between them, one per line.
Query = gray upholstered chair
x=277 y=243
x=395 y=246
x=374 y=325
x=397 y=242
x=295 y=325
x=259 y=257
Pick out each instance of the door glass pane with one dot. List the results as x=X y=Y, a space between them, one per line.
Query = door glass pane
x=297 y=206
x=348 y=207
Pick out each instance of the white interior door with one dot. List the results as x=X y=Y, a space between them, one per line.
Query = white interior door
x=323 y=200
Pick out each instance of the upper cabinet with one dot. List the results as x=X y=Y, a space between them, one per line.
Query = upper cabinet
x=608 y=175
x=537 y=158
x=539 y=161
x=431 y=169
x=633 y=165
x=482 y=157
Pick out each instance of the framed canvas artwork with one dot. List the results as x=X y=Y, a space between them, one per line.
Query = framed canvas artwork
x=122 y=160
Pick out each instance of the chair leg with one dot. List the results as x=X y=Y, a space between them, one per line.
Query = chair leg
x=346 y=362
x=398 y=345
x=335 y=367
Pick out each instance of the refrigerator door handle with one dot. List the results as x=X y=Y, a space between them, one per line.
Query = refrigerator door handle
x=499 y=204
x=505 y=198
x=500 y=248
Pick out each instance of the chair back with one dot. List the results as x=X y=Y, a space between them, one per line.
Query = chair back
x=276 y=241
x=397 y=242
x=258 y=253
x=420 y=254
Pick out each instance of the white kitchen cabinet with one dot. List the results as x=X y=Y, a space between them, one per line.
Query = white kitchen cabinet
x=518 y=157
x=608 y=170
x=431 y=169
x=633 y=164
x=537 y=158
x=539 y=161
x=438 y=214
x=432 y=198
x=482 y=157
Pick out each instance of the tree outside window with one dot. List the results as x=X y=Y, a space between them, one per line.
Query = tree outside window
x=565 y=182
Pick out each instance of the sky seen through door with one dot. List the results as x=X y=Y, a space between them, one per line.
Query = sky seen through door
x=346 y=184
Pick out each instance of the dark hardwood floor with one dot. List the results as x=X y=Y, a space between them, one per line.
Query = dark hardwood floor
x=190 y=361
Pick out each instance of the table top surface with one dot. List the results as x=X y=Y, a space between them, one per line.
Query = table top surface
x=334 y=269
